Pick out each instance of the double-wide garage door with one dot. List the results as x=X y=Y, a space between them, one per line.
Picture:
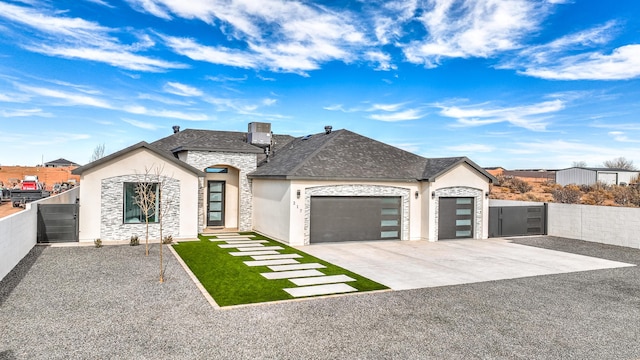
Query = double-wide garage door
x=354 y=218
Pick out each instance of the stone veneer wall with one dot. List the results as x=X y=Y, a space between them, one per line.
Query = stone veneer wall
x=245 y=163
x=112 y=226
x=462 y=192
x=356 y=190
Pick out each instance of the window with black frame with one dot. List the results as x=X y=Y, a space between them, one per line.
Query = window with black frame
x=145 y=191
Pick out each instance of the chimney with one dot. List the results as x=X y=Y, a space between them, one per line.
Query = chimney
x=327 y=129
x=176 y=128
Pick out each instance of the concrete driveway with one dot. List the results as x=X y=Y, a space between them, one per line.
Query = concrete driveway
x=403 y=265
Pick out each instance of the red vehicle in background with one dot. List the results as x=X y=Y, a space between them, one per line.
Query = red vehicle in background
x=30 y=190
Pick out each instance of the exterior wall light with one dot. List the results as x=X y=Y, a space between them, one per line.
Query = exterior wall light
x=298 y=193
x=433 y=194
x=417 y=194
x=486 y=194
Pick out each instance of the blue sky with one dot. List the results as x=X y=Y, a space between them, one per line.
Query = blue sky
x=518 y=83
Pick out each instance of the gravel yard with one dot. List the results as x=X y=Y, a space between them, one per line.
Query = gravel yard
x=84 y=302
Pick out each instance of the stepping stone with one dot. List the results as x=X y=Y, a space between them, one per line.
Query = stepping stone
x=247 y=241
x=296 y=267
x=258 y=247
x=322 y=280
x=252 y=253
x=291 y=274
x=229 y=246
x=271 y=262
x=320 y=290
x=279 y=256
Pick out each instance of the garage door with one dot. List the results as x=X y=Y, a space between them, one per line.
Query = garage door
x=354 y=218
x=455 y=218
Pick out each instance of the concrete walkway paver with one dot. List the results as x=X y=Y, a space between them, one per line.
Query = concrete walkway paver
x=278 y=256
x=304 y=266
x=322 y=280
x=253 y=253
x=271 y=262
x=320 y=290
x=291 y=274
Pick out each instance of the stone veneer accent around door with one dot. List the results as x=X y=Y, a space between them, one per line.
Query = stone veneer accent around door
x=245 y=163
x=112 y=226
x=356 y=190
x=461 y=192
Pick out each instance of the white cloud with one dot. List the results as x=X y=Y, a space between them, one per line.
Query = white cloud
x=269 y=101
x=76 y=38
x=530 y=117
x=621 y=64
x=141 y=110
x=284 y=36
x=410 y=114
x=335 y=107
x=181 y=89
x=386 y=107
x=118 y=58
x=471 y=148
x=164 y=100
x=69 y=98
x=215 y=55
x=480 y=28
x=222 y=78
x=595 y=36
x=621 y=136
x=101 y=2
x=141 y=124
x=24 y=113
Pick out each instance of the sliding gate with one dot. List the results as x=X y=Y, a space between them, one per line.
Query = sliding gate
x=517 y=220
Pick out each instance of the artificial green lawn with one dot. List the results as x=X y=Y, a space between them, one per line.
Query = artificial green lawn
x=231 y=282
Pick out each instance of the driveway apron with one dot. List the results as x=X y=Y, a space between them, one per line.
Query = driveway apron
x=403 y=265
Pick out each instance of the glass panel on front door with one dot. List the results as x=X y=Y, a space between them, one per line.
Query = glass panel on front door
x=215 y=206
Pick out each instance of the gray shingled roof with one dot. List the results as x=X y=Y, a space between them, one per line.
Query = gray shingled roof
x=61 y=161
x=343 y=155
x=141 y=145
x=339 y=155
x=210 y=140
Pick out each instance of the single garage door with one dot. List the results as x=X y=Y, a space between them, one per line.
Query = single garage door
x=354 y=218
x=455 y=218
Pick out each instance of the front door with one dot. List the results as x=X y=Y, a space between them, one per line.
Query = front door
x=455 y=218
x=215 y=208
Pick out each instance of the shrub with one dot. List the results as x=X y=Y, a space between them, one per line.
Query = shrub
x=626 y=196
x=97 y=243
x=530 y=197
x=167 y=239
x=134 y=241
x=520 y=185
x=514 y=184
x=596 y=197
x=569 y=194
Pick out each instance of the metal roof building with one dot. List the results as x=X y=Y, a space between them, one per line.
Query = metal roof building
x=589 y=176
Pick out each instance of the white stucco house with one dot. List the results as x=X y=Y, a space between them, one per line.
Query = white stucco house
x=326 y=187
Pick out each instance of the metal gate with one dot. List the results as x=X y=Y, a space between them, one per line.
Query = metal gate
x=57 y=223
x=517 y=220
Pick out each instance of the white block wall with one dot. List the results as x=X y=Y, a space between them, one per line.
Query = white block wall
x=603 y=224
x=19 y=231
